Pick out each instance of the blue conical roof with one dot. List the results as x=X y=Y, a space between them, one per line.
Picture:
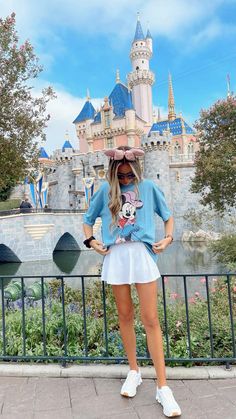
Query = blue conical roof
x=67 y=144
x=121 y=99
x=43 y=154
x=87 y=112
x=139 y=32
x=148 y=35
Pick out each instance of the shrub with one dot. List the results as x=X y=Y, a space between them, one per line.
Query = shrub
x=225 y=250
x=9 y=204
x=176 y=334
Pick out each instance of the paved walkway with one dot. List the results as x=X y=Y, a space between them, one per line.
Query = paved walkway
x=98 y=398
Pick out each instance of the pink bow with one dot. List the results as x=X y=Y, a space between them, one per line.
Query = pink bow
x=130 y=155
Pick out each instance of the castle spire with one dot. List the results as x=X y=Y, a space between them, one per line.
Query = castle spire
x=139 y=31
x=159 y=114
x=117 y=76
x=171 y=101
x=148 y=32
x=67 y=135
x=88 y=96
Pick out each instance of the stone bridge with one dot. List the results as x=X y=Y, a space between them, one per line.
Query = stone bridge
x=35 y=236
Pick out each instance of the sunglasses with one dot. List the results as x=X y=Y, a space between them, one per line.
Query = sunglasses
x=125 y=175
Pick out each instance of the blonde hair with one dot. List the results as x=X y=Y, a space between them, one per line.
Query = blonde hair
x=115 y=202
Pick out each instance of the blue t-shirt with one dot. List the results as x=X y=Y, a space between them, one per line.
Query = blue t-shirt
x=136 y=218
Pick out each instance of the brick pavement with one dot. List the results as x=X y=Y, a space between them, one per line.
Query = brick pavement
x=99 y=398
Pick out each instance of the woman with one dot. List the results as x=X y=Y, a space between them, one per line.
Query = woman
x=127 y=204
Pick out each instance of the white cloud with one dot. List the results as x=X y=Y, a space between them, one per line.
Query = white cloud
x=192 y=22
x=171 y=18
x=212 y=30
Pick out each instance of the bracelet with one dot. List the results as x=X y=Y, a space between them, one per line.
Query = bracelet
x=87 y=241
x=169 y=235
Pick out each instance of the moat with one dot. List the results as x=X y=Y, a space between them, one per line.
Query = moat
x=180 y=258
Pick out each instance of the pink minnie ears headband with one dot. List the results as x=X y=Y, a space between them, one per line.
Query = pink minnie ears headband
x=130 y=155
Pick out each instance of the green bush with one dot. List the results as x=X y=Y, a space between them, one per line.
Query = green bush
x=74 y=310
x=225 y=250
x=9 y=204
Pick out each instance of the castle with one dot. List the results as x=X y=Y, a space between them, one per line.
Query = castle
x=126 y=118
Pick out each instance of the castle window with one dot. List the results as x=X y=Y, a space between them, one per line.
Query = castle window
x=190 y=150
x=110 y=142
x=158 y=175
x=137 y=68
x=177 y=150
x=107 y=119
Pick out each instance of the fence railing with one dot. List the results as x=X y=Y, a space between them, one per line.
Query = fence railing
x=32 y=313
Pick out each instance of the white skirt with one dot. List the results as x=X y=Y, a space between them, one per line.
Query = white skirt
x=129 y=263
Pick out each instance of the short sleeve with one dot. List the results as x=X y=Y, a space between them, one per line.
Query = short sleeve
x=95 y=207
x=160 y=205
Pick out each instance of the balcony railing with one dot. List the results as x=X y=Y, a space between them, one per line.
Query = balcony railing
x=35 y=314
x=3 y=213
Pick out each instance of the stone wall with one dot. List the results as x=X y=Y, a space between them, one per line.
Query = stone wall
x=31 y=237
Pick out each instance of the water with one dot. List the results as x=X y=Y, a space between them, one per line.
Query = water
x=179 y=258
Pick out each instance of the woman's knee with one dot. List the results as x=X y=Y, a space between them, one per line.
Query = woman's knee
x=126 y=316
x=150 y=321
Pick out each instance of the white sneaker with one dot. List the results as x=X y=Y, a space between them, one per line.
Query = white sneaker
x=165 y=396
x=131 y=383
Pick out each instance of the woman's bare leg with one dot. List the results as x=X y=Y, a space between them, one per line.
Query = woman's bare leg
x=148 y=308
x=122 y=294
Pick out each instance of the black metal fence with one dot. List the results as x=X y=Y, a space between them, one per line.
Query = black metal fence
x=21 y=299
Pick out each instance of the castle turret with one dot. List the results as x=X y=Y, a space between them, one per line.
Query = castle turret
x=141 y=79
x=149 y=40
x=44 y=159
x=83 y=122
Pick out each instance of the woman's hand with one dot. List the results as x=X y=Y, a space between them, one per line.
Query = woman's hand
x=99 y=247
x=160 y=246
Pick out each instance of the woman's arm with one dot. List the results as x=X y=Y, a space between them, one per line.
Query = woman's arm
x=169 y=228
x=88 y=230
x=162 y=244
x=95 y=244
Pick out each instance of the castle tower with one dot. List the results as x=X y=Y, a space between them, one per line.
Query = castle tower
x=141 y=79
x=83 y=125
x=171 y=101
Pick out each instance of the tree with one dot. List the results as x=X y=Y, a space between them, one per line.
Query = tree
x=22 y=114
x=215 y=175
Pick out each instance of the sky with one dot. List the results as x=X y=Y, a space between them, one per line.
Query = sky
x=82 y=44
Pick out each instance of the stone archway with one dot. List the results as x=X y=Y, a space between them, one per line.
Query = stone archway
x=66 y=242
x=7 y=255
